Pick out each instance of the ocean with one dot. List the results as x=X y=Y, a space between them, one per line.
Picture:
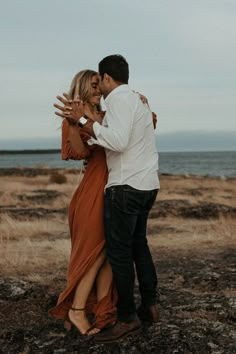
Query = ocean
x=221 y=164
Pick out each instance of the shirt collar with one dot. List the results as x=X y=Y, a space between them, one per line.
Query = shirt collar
x=120 y=88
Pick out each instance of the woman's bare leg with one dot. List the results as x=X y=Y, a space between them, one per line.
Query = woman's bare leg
x=81 y=295
x=104 y=280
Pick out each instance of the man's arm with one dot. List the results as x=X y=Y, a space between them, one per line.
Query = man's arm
x=88 y=127
x=119 y=119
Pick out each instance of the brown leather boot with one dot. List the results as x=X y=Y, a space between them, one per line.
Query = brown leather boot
x=118 y=331
x=149 y=313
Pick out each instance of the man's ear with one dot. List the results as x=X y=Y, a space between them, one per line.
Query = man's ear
x=106 y=77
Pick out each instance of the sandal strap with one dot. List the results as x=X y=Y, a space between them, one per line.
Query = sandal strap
x=75 y=309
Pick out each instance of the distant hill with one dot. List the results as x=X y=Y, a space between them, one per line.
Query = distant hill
x=178 y=141
x=197 y=141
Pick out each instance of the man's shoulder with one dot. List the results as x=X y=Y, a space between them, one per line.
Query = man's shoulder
x=126 y=96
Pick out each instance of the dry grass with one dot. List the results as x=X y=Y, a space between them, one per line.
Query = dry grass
x=38 y=249
x=12 y=229
x=11 y=188
x=192 y=236
x=34 y=249
x=32 y=259
x=31 y=248
x=214 y=190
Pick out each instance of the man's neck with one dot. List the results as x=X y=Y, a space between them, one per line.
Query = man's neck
x=114 y=85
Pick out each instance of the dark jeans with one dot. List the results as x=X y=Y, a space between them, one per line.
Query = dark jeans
x=126 y=213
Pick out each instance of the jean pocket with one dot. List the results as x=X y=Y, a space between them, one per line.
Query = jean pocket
x=137 y=201
x=151 y=199
x=134 y=201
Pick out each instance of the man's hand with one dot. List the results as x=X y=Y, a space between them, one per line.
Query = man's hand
x=88 y=127
x=85 y=165
x=72 y=110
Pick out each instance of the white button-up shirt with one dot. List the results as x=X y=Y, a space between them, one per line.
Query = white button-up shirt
x=127 y=134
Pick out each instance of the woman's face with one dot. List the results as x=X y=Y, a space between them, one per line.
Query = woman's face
x=95 y=93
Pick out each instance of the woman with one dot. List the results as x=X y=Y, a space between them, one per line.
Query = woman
x=89 y=280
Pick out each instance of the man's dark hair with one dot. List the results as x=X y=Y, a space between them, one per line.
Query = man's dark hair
x=116 y=66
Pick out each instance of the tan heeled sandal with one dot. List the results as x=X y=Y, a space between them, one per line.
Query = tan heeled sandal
x=68 y=323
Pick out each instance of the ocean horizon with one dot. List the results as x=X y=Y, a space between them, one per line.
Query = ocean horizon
x=203 y=163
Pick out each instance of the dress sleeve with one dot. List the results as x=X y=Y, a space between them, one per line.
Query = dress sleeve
x=67 y=153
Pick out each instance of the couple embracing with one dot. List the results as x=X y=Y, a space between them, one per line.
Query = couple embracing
x=109 y=210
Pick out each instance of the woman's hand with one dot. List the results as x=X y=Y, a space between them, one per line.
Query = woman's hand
x=71 y=111
x=142 y=98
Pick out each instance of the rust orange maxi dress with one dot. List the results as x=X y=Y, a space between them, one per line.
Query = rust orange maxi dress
x=87 y=231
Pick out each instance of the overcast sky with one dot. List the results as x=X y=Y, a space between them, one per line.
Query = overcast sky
x=182 y=56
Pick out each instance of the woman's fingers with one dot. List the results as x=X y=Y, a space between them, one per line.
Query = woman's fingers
x=62 y=100
x=66 y=101
x=63 y=115
x=71 y=110
x=60 y=114
x=62 y=108
x=68 y=98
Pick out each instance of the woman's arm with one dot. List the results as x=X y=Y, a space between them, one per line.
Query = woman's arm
x=76 y=141
x=73 y=146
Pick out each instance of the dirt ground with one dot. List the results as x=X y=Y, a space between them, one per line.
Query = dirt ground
x=191 y=232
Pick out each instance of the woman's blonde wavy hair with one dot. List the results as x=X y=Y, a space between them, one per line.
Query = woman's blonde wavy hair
x=81 y=85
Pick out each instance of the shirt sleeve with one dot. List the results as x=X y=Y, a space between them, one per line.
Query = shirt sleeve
x=119 y=118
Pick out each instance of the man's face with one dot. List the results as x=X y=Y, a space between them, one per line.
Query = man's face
x=95 y=93
x=103 y=85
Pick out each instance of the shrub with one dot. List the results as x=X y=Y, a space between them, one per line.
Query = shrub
x=58 y=178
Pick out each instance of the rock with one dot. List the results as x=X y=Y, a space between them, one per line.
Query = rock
x=31 y=213
x=195 y=316
x=13 y=289
x=40 y=196
x=183 y=208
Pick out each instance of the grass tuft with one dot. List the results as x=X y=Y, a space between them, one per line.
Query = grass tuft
x=57 y=178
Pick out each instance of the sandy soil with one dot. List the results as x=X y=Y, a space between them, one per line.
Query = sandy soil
x=192 y=236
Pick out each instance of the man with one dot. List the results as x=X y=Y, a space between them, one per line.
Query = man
x=127 y=135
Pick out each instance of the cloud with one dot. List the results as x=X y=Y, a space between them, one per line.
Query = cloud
x=182 y=56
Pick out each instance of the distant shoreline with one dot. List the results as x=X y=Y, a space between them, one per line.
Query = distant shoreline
x=56 y=151
x=31 y=151
x=202 y=163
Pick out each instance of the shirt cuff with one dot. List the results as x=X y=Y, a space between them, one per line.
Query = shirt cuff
x=96 y=129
